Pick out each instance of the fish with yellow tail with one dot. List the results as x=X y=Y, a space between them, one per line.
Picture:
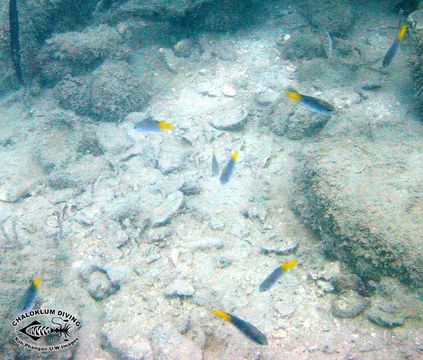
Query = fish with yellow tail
x=275 y=275
x=314 y=104
x=229 y=168
x=30 y=296
x=150 y=125
x=245 y=327
x=394 y=47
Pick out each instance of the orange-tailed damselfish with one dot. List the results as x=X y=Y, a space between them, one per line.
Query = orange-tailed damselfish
x=275 y=274
x=314 y=104
x=245 y=327
x=394 y=47
x=30 y=296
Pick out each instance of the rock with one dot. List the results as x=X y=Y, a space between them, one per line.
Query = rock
x=80 y=173
x=153 y=258
x=294 y=121
x=190 y=187
x=316 y=72
x=232 y=121
x=171 y=160
x=100 y=286
x=112 y=140
x=206 y=244
x=335 y=16
x=285 y=309
x=325 y=286
x=223 y=15
x=386 y=315
x=89 y=144
x=254 y=212
x=223 y=262
x=280 y=247
x=179 y=288
x=342 y=198
x=303 y=45
x=74 y=93
x=170 y=206
x=75 y=53
x=169 y=344
x=116 y=91
x=183 y=48
x=172 y=62
x=344 y=282
x=229 y=91
x=349 y=305
x=159 y=234
x=303 y=123
x=118 y=274
x=128 y=348
x=266 y=97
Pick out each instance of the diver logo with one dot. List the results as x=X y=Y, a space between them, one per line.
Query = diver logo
x=46 y=330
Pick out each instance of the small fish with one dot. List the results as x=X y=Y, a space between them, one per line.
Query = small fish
x=275 y=274
x=394 y=47
x=30 y=296
x=314 y=104
x=246 y=328
x=215 y=164
x=150 y=125
x=15 y=42
x=229 y=168
x=371 y=87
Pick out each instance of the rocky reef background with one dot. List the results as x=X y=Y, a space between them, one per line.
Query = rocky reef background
x=131 y=233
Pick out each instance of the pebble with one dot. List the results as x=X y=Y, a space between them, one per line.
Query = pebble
x=206 y=244
x=343 y=282
x=100 y=286
x=217 y=225
x=349 y=305
x=117 y=274
x=258 y=213
x=279 y=247
x=285 y=310
x=229 y=91
x=223 y=262
x=183 y=48
x=134 y=348
x=325 y=286
x=152 y=258
x=170 y=206
x=233 y=121
x=158 y=235
x=179 y=288
x=266 y=97
x=172 y=161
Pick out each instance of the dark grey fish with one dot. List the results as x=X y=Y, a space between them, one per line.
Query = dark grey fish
x=15 y=43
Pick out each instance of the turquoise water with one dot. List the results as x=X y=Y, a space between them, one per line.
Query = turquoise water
x=200 y=179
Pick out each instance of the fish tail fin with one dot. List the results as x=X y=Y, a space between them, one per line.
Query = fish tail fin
x=235 y=155
x=402 y=32
x=36 y=282
x=293 y=94
x=163 y=125
x=223 y=315
x=288 y=265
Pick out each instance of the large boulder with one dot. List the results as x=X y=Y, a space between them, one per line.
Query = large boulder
x=364 y=198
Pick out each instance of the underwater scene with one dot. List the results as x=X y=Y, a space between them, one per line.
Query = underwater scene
x=211 y=179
